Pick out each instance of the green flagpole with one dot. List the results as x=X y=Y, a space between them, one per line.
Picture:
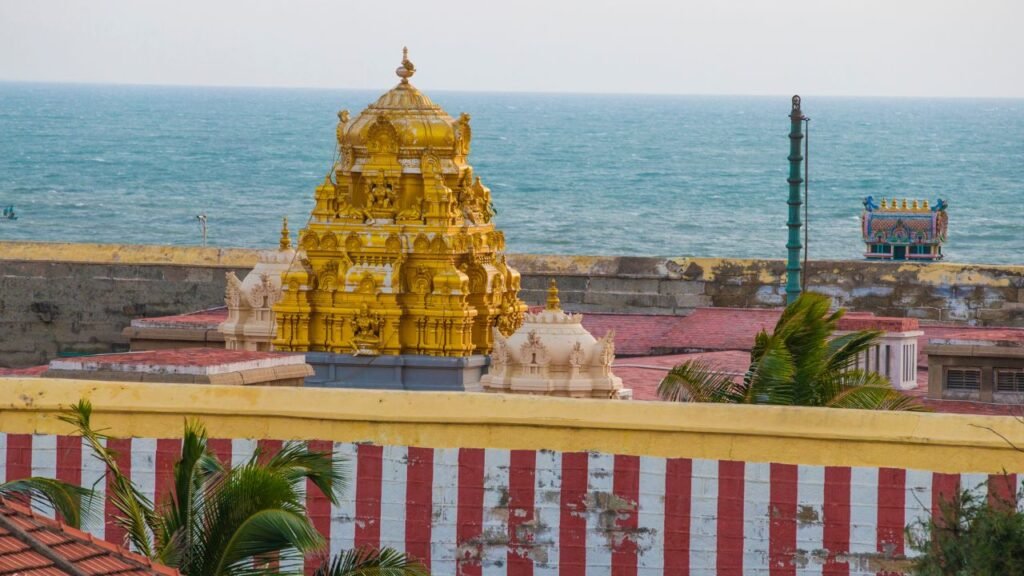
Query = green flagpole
x=795 y=179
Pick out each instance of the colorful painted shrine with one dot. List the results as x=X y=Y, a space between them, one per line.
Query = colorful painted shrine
x=401 y=254
x=907 y=230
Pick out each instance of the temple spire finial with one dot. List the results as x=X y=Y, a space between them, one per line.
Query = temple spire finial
x=553 y=302
x=407 y=69
x=286 y=241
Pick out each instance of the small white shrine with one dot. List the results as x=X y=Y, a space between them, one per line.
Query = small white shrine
x=250 y=324
x=552 y=354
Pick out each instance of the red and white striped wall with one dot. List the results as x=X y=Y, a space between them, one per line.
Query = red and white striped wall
x=483 y=512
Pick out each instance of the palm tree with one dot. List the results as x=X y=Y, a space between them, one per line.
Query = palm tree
x=244 y=520
x=70 y=501
x=798 y=364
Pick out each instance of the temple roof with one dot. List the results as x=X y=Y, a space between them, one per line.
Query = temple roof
x=407 y=98
x=31 y=545
x=420 y=124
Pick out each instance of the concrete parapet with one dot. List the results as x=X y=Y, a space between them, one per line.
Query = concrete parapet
x=655 y=469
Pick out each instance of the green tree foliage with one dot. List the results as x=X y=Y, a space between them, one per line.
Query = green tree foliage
x=246 y=520
x=970 y=536
x=798 y=364
x=73 y=503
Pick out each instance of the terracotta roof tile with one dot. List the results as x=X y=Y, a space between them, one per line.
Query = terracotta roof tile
x=32 y=545
x=202 y=319
x=29 y=372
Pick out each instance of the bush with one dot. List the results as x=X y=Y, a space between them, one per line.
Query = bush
x=971 y=536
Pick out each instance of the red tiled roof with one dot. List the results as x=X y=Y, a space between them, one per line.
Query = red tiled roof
x=865 y=322
x=643 y=374
x=31 y=545
x=725 y=336
x=177 y=357
x=203 y=319
x=30 y=371
x=706 y=329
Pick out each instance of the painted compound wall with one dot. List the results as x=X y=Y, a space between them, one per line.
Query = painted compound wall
x=76 y=298
x=493 y=511
x=488 y=484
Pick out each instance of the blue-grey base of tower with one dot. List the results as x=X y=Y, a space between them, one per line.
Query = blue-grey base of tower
x=401 y=372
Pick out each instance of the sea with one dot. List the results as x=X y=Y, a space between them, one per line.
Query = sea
x=570 y=173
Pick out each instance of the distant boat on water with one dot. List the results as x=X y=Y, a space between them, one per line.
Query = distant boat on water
x=8 y=213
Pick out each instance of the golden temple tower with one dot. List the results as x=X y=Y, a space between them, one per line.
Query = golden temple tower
x=401 y=255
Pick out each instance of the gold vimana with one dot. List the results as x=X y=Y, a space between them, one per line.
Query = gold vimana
x=401 y=255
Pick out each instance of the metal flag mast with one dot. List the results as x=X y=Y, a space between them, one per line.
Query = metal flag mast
x=793 y=246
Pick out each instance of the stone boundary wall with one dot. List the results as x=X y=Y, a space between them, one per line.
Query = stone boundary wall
x=512 y=485
x=76 y=298
x=71 y=299
x=978 y=294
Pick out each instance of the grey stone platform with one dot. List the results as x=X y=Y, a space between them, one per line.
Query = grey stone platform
x=403 y=372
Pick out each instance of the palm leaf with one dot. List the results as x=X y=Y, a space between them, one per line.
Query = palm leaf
x=245 y=492
x=137 y=515
x=371 y=562
x=875 y=398
x=770 y=379
x=844 y=350
x=194 y=472
x=73 y=503
x=297 y=463
x=281 y=533
x=697 y=381
x=797 y=364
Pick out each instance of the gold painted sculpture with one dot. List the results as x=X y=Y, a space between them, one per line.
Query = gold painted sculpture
x=401 y=255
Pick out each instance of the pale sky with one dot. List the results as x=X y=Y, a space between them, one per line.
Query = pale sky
x=816 y=47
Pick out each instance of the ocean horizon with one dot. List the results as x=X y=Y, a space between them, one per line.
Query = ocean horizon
x=609 y=174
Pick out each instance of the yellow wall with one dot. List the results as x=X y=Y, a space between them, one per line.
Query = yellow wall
x=814 y=436
x=935 y=273
x=127 y=254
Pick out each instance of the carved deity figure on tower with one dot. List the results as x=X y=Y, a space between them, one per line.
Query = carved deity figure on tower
x=366 y=330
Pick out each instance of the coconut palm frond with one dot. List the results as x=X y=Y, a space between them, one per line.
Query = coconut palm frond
x=875 y=398
x=73 y=503
x=844 y=350
x=371 y=562
x=137 y=516
x=697 y=381
x=770 y=379
x=798 y=364
x=297 y=462
x=280 y=535
x=194 y=473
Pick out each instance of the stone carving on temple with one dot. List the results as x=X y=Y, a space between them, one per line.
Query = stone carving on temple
x=366 y=327
x=250 y=324
x=409 y=231
x=552 y=354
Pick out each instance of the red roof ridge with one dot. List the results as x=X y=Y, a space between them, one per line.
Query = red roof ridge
x=27 y=536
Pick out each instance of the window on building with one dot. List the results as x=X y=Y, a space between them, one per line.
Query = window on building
x=920 y=249
x=909 y=362
x=879 y=249
x=968 y=379
x=1009 y=380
